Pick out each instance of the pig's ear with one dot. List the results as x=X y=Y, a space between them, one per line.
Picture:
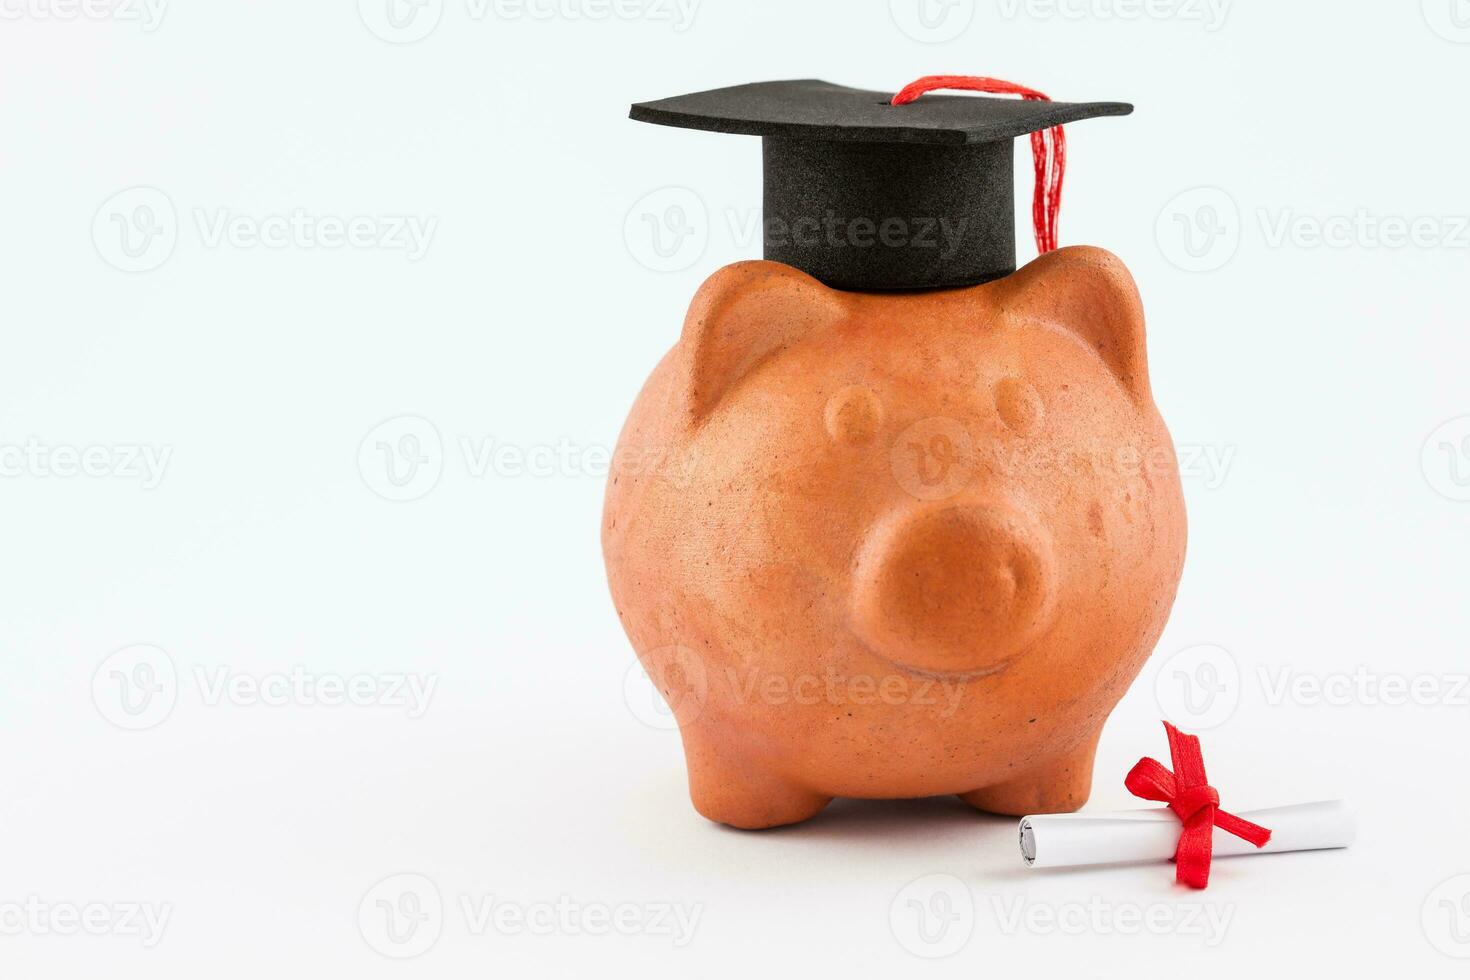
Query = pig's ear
x=1091 y=293
x=742 y=315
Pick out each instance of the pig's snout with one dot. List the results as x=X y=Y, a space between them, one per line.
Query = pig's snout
x=954 y=587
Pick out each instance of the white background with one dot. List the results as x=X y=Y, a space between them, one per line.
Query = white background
x=1310 y=383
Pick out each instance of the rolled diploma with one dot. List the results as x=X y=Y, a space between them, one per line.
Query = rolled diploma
x=1072 y=840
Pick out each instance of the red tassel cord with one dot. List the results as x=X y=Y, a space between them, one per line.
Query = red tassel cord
x=1048 y=147
x=1195 y=802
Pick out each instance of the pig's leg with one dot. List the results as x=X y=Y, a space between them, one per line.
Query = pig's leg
x=730 y=788
x=1059 y=786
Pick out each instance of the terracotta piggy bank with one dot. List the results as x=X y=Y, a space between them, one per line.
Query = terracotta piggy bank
x=904 y=545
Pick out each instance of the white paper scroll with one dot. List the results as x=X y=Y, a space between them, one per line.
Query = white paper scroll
x=1071 y=840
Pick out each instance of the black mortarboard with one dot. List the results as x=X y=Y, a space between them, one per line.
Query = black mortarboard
x=865 y=195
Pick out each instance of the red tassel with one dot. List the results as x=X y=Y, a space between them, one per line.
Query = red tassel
x=1048 y=147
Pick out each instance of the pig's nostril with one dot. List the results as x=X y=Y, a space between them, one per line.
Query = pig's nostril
x=955 y=588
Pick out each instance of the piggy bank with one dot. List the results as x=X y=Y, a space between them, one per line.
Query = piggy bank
x=896 y=544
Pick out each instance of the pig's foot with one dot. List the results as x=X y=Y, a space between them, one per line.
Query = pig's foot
x=742 y=794
x=1059 y=786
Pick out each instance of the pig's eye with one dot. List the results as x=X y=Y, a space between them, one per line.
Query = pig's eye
x=1019 y=406
x=853 y=416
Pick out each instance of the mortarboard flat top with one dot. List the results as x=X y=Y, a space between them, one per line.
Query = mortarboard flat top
x=865 y=195
x=816 y=110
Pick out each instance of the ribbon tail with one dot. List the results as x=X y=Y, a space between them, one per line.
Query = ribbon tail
x=1250 y=832
x=1196 y=847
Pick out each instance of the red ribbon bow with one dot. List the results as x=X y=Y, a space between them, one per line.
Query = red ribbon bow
x=1195 y=802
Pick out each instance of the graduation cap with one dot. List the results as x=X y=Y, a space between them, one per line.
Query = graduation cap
x=865 y=194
